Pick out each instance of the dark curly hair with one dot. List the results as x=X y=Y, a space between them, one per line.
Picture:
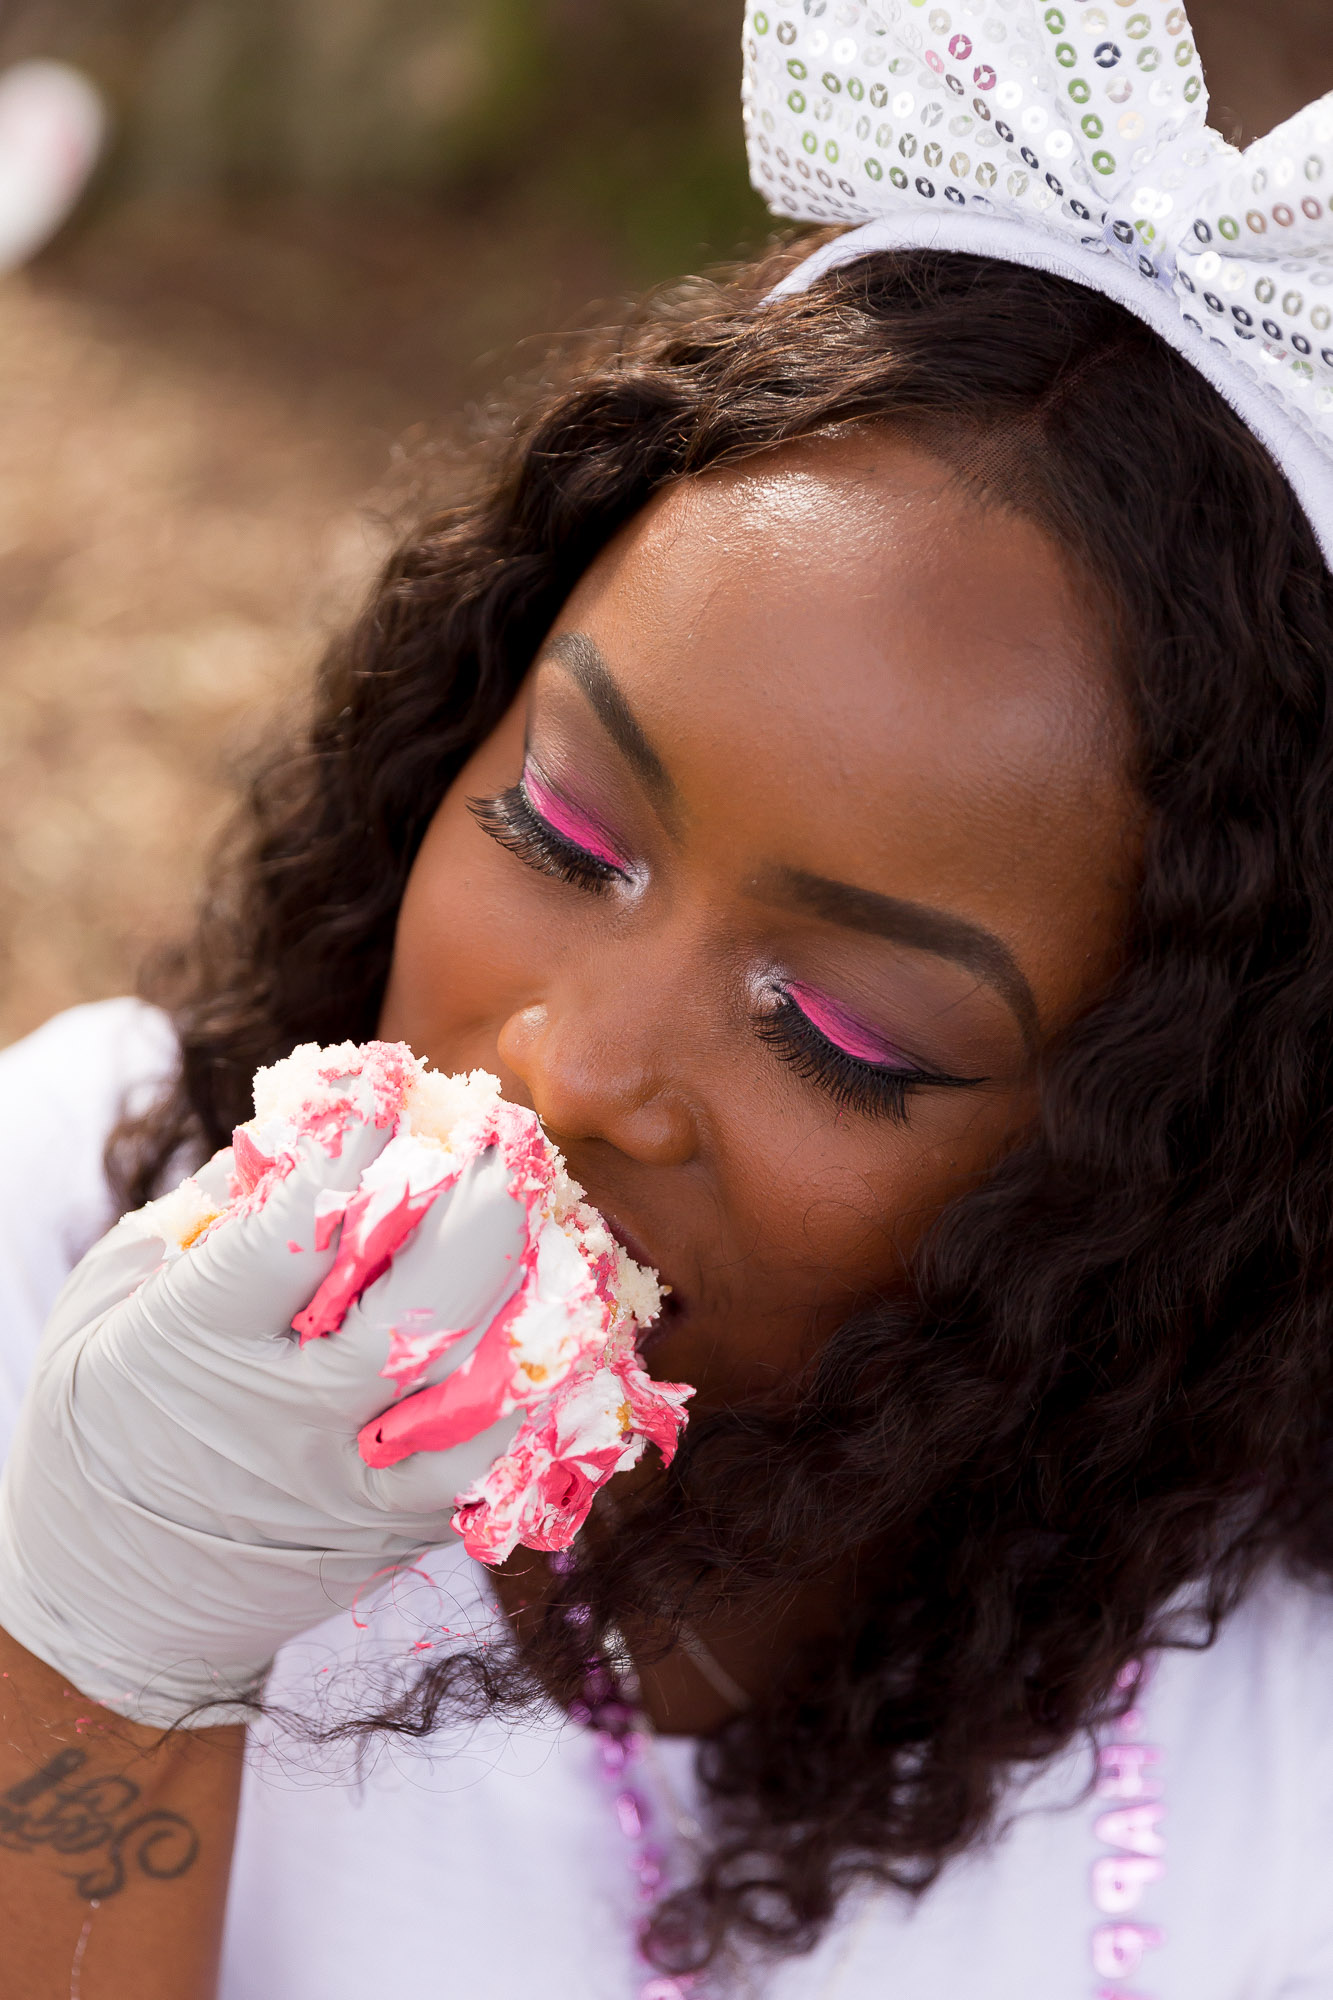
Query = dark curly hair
x=1108 y=1375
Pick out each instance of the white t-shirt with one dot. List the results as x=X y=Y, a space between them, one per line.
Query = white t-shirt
x=488 y=1864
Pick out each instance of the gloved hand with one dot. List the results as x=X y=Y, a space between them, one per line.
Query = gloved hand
x=185 y=1491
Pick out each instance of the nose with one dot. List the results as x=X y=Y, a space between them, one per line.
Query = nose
x=587 y=1080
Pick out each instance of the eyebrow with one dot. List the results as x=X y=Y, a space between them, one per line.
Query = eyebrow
x=582 y=660
x=916 y=925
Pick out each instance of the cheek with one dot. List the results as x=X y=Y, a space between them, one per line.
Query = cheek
x=834 y=1212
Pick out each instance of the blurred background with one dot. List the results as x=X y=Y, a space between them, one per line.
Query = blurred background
x=320 y=232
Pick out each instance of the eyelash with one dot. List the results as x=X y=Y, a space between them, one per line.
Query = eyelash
x=511 y=820
x=872 y=1090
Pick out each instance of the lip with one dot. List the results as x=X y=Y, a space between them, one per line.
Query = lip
x=673 y=1305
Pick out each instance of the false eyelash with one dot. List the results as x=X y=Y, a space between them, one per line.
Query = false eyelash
x=872 y=1089
x=510 y=819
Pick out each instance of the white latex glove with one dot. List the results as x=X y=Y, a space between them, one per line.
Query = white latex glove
x=185 y=1491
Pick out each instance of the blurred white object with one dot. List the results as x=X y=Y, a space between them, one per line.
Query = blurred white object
x=52 y=127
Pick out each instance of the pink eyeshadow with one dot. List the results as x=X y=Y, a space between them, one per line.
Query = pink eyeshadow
x=843 y=1030
x=569 y=822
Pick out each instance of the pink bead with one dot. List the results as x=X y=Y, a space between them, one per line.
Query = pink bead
x=1123 y=1771
x=1119 y=1880
x=1132 y=1827
x=1117 y=1949
x=630 y=1813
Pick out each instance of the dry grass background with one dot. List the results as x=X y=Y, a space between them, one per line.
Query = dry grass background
x=209 y=417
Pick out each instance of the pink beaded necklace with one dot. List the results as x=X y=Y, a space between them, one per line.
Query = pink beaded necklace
x=612 y=1711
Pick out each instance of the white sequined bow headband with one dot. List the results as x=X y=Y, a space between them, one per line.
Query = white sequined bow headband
x=1073 y=139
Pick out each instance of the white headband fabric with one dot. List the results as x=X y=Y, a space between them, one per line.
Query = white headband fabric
x=1072 y=139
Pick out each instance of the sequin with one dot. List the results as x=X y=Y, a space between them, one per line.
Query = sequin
x=1087 y=123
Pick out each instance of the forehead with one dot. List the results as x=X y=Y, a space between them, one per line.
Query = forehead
x=852 y=585
x=851 y=663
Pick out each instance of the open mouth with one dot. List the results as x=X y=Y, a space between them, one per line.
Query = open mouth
x=674 y=1304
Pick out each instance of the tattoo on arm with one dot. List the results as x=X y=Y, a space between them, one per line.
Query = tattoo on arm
x=95 y=1819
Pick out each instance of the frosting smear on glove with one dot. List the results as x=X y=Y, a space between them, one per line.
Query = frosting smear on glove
x=562 y=1346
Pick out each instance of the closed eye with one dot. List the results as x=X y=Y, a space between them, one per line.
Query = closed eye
x=512 y=820
x=878 y=1087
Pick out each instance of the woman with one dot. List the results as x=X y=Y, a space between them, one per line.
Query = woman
x=860 y=768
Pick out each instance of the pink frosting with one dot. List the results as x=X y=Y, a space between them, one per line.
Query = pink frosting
x=589 y=1409
x=416 y=1345
x=373 y=1228
x=490 y=1384
x=374 y=1090
x=595 y=1425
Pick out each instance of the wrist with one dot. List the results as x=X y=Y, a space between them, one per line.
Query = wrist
x=115 y=1842
x=121 y=1672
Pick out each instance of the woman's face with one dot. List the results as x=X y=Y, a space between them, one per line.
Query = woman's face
x=807 y=828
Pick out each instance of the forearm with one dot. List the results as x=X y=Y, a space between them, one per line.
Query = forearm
x=115 y=1845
